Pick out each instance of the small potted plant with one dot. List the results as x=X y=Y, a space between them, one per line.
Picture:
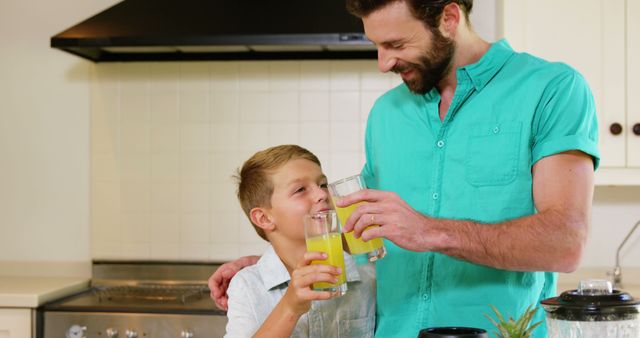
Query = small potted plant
x=521 y=328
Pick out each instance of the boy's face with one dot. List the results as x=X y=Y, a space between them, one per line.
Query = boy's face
x=299 y=188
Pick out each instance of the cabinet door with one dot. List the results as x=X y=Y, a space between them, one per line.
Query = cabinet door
x=15 y=323
x=633 y=82
x=589 y=35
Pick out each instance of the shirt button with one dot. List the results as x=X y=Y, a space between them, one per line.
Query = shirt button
x=440 y=144
x=425 y=296
x=435 y=196
x=496 y=129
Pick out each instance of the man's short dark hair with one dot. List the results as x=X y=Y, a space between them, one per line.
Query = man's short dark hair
x=427 y=11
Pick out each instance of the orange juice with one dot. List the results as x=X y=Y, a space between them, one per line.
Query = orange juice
x=356 y=245
x=332 y=245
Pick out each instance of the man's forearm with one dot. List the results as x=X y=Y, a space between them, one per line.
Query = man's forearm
x=547 y=241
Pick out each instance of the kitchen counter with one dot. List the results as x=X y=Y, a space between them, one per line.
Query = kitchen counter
x=31 y=292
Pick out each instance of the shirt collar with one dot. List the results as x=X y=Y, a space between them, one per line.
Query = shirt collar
x=481 y=72
x=274 y=273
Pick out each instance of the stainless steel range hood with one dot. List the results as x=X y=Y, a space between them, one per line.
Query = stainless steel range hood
x=170 y=30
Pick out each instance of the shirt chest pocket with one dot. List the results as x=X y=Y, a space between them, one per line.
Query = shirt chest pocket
x=361 y=327
x=493 y=154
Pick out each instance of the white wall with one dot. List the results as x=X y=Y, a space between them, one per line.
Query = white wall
x=44 y=134
x=615 y=211
x=484 y=19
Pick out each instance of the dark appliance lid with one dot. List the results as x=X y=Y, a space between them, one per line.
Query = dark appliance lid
x=596 y=303
x=148 y=30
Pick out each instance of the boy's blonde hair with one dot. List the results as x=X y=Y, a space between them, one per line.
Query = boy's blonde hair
x=254 y=178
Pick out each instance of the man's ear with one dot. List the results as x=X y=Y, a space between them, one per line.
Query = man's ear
x=450 y=20
x=261 y=218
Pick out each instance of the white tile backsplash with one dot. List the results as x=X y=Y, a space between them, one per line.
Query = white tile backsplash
x=283 y=133
x=165 y=227
x=225 y=106
x=195 y=197
x=254 y=76
x=315 y=136
x=135 y=197
x=283 y=106
x=135 y=167
x=135 y=227
x=135 y=249
x=165 y=167
x=194 y=106
x=345 y=106
x=165 y=198
x=223 y=165
x=253 y=137
x=194 y=251
x=135 y=138
x=104 y=166
x=164 y=251
x=195 y=228
x=345 y=75
x=167 y=137
x=254 y=106
x=315 y=76
x=194 y=137
x=224 y=76
x=345 y=136
x=224 y=226
x=284 y=76
x=225 y=136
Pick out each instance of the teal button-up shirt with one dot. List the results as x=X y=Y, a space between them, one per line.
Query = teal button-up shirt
x=509 y=111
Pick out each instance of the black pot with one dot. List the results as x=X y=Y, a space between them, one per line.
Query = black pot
x=453 y=332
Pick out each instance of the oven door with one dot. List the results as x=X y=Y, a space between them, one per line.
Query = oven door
x=58 y=324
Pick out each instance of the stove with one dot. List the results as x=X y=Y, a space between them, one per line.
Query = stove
x=136 y=300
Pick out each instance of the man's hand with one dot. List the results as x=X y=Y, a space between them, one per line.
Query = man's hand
x=219 y=281
x=398 y=222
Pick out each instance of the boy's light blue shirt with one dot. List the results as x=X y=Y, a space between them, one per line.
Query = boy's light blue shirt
x=256 y=290
x=509 y=110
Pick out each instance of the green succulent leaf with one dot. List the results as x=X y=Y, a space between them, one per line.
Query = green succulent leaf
x=521 y=328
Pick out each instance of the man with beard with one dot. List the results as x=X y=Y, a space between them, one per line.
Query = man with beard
x=480 y=167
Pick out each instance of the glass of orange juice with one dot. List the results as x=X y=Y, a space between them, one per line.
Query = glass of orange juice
x=323 y=234
x=374 y=249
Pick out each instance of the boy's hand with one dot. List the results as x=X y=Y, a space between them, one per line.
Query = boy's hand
x=300 y=293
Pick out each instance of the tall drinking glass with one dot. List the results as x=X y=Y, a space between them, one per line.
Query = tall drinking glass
x=374 y=249
x=323 y=234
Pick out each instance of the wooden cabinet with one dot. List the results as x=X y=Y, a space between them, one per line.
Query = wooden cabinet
x=15 y=323
x=601 y=39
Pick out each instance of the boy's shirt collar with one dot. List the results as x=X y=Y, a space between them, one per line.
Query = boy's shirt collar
x=274 y=273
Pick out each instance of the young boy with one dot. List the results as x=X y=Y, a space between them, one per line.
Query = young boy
x=273 y=298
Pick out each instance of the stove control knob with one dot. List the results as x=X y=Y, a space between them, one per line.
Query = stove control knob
x=112 y=333
x=186 y=334
x=131 y=333
x=76 y=331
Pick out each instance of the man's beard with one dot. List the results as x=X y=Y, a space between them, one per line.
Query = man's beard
x=433 y=66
